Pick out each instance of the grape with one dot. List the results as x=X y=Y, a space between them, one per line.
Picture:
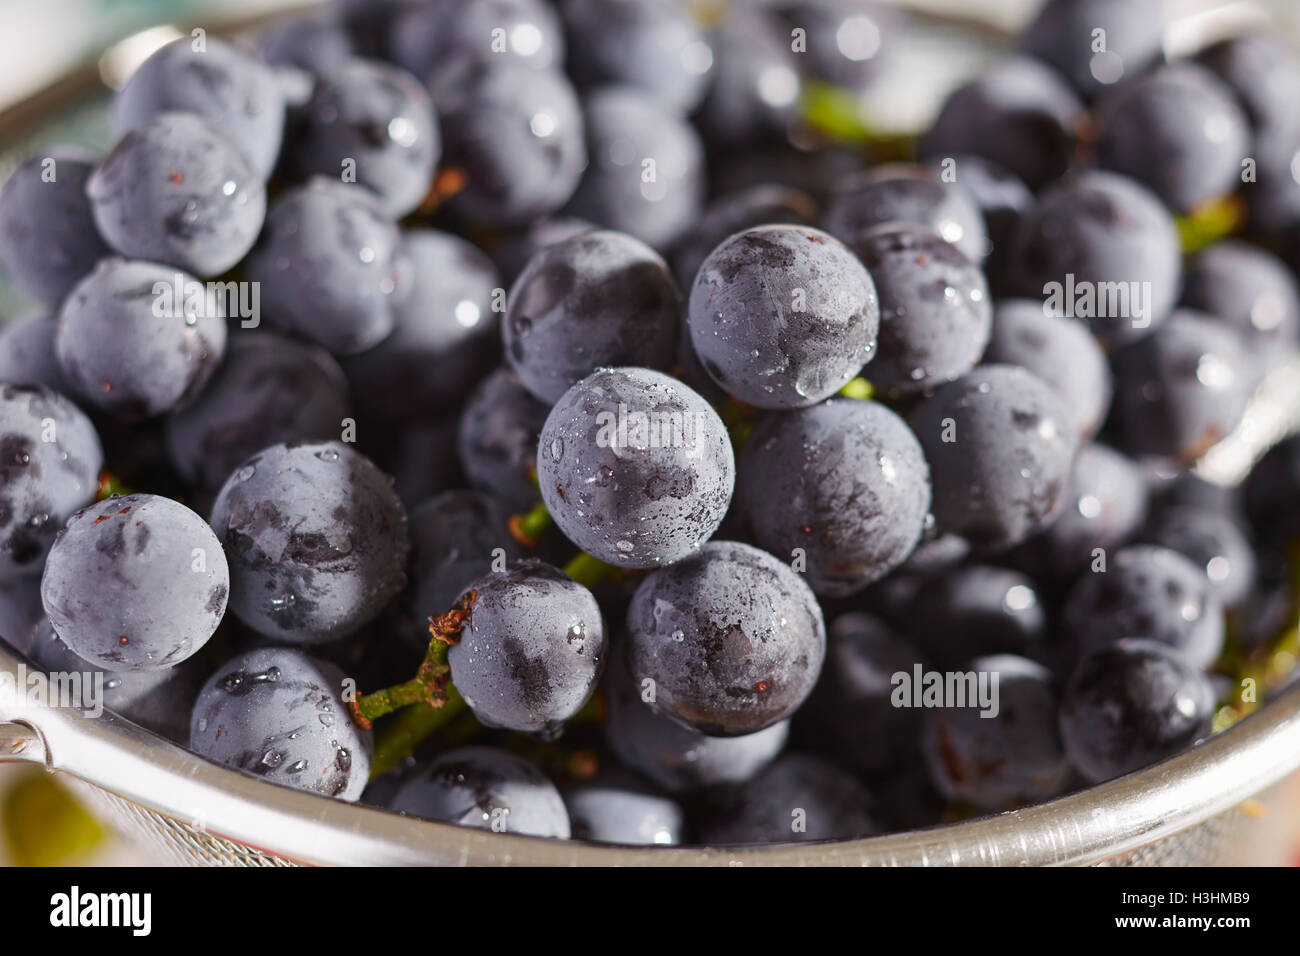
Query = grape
x=976 y=611
x=317 y=43
x=516 y=135
x=1271 y=491
x=1263 y=72
x=131 y=341
x=1112 y=236
x=846 y=40
x=21 y=613
x=616 y=808
x=754 y=87
x=799 y=798
x=652 y=45
x=441 y=36
x=1019 y=114
x=455 y=538
x=316 y=540
x=1002 y=198
x=1059 y=351
x=669 y=755
x=902 y=193
x=843 y=484
x=48 y=239
x=496 y=441
x=1151 y=593
x=50 y=458
x=238 y=94
x=420 y=464
x=487 y=788
x=935 y=313
x=1214 y=542
x=531 y=651
x=378 y=119
x=444 y=337
x=1064 y=34
x=176 y=191
x=1104 y=506
x=635 y=468
x=27 y=353
x=1182 y=389
x=270 y=388
x=1251 y=290
x=783 y=316
x=514 y=253
x=731 y=638
x=1009 y=759
x=1179 y=131
x=169 y=583
x=332 y=266
x=735 y=212
x=629 y=134
x=1132 y=703
x=850 y=711
x=599 y=299
x=1000 y=445
x=279 y=714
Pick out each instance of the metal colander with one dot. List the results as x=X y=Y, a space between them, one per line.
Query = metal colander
x=1186 y=810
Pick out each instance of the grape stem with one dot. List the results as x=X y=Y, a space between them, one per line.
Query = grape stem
x=432 y=681
x=858 y=388
x=108 y=485
x=588 y=571
x=401 y=735
x=528 y=528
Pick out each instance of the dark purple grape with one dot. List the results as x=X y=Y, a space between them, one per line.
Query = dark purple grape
x=841 y=488
x=1097 y=43
x=646 y=172
x=316 y=540
x=22 y=618
x=735 y=212
x=496 y=440
x=441 y=36
x=597 y=300
x=731 y=638
x=1132 y=703
x=851 y=712
x=1251 y=290
x=237 y=93
x=444 y=337
x=531 y=651
x=1179 y=131
x=315 y=42
x=1103 y=249
x=1018 y=114
x=1263 y=72
x=27 y=353
x=137 y=339
x=783 y=316
x=48 y=239
x=1104 y=507
x=514 y=253
x=904 y=193
x=135 y=582
x=1002 y=198
x=279 y=714
x=798 y=798
x=516 y=134
x=176 y=191
x=635 y=468
x=1000 y=445
x=652 y=45
x=845 y=41
x=486 y=788
x=1213 y=541
x=269 y=389
x=1062 y=352
x=372 y=122
x=1005 y=756
x=1272 y=491
x=332 y=267
x=419 y=460
x=672 y=756
x=1151 y=593
x=50 y=458
x=976 y=611
x=754 y=87
x=615 y=807
x=1182 y=389
x=935 y=311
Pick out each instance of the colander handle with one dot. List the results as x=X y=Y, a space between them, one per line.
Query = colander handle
x=20 y=743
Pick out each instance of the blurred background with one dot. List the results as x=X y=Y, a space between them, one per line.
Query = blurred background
x=41 y=823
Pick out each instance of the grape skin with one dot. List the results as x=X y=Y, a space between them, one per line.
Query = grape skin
x=496 y=439
x=170 y=583
x=27 y=353
x=617 y=808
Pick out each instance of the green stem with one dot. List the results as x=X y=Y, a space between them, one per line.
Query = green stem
x=401 y=735
x=109 y=485
x=858 y=388
x=528 y=528
x=588 y=571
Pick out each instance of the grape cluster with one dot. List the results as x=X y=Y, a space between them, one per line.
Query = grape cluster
x=568 y=419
